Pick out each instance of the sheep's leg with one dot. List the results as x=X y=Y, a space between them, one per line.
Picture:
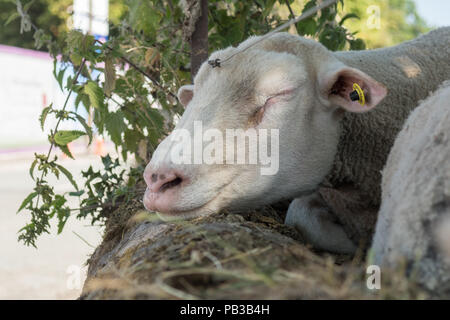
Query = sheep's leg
x=317 y=224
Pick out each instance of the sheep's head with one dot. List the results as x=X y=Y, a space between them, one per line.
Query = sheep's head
x=283 y=99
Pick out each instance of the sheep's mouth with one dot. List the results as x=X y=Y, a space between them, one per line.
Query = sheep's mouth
x=168 y=185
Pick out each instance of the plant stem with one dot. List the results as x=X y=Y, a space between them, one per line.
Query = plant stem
x=58 y=122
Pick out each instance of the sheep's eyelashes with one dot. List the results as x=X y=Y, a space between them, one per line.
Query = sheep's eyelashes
x=257 y=116
x=269 y=101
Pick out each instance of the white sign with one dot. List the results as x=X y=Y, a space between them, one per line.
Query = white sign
x=27 y=86
x=91 y=16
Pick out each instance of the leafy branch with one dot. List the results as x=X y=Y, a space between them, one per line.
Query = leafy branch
x=60 y=138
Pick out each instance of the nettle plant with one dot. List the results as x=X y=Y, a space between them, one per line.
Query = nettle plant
x=127 y=84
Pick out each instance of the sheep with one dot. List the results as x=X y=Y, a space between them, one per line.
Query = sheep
x=330 y=149
x=409 y=71
x=414 y=218
x=443 y=236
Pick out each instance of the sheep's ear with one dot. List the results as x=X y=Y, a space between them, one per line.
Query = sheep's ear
x=335 y=86
x=185 y=94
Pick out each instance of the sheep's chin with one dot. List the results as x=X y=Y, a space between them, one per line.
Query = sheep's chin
x=184 y=215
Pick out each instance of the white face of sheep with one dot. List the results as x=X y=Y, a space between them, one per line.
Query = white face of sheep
x=289 y=109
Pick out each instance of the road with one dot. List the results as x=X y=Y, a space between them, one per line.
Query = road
x=56 y=269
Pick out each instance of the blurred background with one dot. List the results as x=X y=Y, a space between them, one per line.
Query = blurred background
x=27 y=85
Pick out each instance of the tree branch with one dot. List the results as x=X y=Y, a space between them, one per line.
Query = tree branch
x=290 y=9
x=199 y=40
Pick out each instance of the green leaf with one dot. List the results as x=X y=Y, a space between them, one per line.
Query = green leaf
x=66 y=151
x=357 y=44
x=307 y=27
x=27 y=6
x=78 y=100
x=11 y=18
x=64 y=137
x=131 y=140
x=110 y=77
x=27 y=200
x=76 y=58
x=333 y=38
x=44 y=114
x=143 y=16
x=67 y=174
x=77 y=193
x=32 y=168
x=115 y=125
x=85 y=125
x=348 y=16
x=74 y=39
x=327 y=14
x=62 y=213
x=59 y=76
x=63 y=216
x=95 y=94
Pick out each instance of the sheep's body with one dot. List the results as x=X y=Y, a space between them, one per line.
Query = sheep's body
x=413 y=222
x=443 y=236
x=410 y=71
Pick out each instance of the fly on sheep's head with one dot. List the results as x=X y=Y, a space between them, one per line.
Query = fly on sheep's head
x=214 y=63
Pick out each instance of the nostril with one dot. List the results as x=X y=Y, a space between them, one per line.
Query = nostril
x=170 y=184
x=160 y=180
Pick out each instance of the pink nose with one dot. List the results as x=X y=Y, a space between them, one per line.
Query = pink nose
x=163 y=187
x=161 y=180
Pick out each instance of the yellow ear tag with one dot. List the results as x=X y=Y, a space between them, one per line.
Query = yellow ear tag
x=358 y=94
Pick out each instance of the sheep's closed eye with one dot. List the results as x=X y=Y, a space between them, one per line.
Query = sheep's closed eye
x=259 y=112
x=269 y=101
x=283 y=95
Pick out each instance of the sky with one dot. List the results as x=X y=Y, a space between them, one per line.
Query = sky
x=435 y=12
